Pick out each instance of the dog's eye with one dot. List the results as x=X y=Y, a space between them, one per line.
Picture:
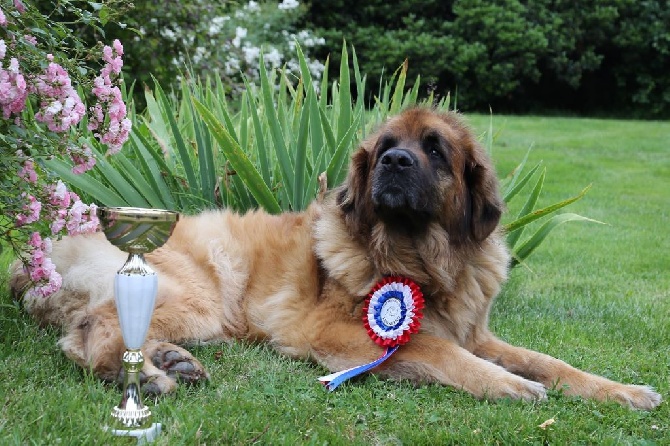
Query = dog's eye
x=387 y=142
x=431 y=146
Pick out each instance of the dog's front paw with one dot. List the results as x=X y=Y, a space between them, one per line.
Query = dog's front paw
x=157 y=384
x=635 y=397
x=516 y=387
x=179 y=364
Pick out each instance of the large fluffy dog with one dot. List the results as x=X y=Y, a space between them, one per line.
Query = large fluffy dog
x=420 y=200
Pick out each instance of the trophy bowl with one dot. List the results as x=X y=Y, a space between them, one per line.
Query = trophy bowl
x=137 y=230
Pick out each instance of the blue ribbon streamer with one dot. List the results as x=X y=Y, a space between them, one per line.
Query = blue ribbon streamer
x=333 y=380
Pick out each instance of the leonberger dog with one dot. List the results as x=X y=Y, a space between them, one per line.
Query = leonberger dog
x=420 y=201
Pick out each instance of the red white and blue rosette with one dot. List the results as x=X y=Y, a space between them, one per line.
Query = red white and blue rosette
x=392 y=312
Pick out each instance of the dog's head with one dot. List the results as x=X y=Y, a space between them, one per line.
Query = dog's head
x=422 y=167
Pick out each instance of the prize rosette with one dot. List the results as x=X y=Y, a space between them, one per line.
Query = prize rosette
x=392 y=312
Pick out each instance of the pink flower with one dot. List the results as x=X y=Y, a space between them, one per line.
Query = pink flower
x=82 y=158
x=35 y=240
x=59 y=195
x=3 y=49
x=118 y=47
x=19 y=6
x=3 y=19
x=13 y=89
x=30 y=39
x=32 y=209
x=108 y=116
x=58 y=222
x=27 y=172
x=61 y=107
x=81 y=219
x=41 y=269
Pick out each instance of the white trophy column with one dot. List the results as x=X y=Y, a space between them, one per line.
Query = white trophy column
x=135 y=298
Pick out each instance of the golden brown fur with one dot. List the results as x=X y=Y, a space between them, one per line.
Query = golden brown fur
x=420 y=201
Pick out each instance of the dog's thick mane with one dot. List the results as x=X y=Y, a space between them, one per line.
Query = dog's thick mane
x=429 y=259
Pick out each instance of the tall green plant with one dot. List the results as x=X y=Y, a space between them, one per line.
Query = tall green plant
x=193 y=150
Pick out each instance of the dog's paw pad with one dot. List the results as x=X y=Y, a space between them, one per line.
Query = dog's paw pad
x=180 y=365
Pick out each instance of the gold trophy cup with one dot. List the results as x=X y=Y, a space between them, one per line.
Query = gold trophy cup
x=136 y=231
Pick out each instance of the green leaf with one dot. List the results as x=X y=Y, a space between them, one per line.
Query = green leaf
x=511 y=193
x=335 y=167
x=396 y=101
x=259 y=136
x=204 y=146
x=316 y=135
x=301 y=157
x=528 y=207
x=511 y=179
x=285 y=163
x=533 y=242
x=344 y=110
x=237 y=158
x=152 y=164
x=139 y=182
x=103 y=195
x=323 y=100
x=184 y=155
x=523 y=221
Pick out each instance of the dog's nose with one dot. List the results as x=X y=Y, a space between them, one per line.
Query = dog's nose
x=397 y=159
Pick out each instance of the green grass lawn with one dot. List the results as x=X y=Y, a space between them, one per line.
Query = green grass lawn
x=597 y=296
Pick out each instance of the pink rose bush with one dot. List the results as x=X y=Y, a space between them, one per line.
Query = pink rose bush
x=41 y=111
x=113 y=132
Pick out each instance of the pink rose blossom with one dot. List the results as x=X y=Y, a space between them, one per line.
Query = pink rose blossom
x=82 y=158
x=41 y=269
x=3 y=19
x=61 y=107
x=82 y=219
x=32 y=209
x=3 y=49
x=58 y=222
x=59 y=195
x=18 y=4
x=27 y=172
x=13 y=89
x=35 y=240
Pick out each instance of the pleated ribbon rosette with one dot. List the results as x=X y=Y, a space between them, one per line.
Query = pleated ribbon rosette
x=392 y=312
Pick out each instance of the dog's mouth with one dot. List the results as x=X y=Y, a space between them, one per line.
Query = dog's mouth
x=399 y=191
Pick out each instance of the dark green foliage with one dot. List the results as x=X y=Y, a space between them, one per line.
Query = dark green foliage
x=585 y=56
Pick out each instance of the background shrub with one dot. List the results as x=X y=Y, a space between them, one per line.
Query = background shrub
x=584 y=56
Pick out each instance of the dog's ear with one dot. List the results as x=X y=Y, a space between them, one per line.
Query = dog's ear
x=486 y=206
x=352 y=196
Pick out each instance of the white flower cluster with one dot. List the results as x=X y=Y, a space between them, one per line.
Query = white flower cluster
x=231 y=44
x=289 y=4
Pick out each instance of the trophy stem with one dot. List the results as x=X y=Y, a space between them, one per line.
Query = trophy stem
x=131 y=413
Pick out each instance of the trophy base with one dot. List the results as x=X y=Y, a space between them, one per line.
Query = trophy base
x=147 y=435
x=132 y=418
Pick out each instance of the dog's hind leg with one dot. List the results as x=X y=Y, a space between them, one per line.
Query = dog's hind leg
x=94 y=341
